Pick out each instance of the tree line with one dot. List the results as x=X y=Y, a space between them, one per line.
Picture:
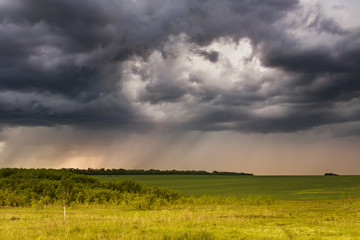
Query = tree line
x=37 y=187
x=121 y=171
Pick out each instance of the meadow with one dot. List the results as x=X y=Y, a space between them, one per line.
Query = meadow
x=280 y=187
x=206 y=219
x=206 y=207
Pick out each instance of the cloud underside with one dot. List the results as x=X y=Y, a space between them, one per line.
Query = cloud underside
x=248 y=66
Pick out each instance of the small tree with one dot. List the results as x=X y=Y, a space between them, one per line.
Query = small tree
x=331 y=174
x=65 y=190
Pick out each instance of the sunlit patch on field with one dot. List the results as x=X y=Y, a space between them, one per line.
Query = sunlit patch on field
x=322 y=219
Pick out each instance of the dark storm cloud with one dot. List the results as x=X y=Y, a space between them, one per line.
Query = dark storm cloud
x=212 y=56
x=162 y=92
x=51 y=110
x=63 y=59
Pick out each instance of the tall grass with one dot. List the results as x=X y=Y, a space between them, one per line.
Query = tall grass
x=203 y=218
x=30 y=208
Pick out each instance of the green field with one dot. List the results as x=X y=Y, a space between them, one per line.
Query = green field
x=208 y=219
x=212 y=207
x=280 y=187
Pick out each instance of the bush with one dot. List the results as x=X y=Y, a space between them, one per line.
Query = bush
x=38 y=187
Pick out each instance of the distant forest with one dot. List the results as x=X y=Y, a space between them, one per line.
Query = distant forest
x=120 y=171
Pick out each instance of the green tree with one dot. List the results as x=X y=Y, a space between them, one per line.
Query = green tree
x=65 y=191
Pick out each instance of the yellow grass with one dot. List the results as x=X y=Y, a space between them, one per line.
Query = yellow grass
x=234 y=219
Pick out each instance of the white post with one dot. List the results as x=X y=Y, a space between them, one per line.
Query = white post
x=64 y=211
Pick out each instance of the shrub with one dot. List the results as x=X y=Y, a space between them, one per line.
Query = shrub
x=38 y=187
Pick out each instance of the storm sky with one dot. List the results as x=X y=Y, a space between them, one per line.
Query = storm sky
x=267 y=87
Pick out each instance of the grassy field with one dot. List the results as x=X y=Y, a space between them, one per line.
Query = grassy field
x=221 y=207
x=320 y=219
x=281 y=187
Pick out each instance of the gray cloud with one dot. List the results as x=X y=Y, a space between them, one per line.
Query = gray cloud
x=162 y=92
x=212 y=56
x=62 y=63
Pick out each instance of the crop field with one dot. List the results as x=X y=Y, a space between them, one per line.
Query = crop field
x=280 y=187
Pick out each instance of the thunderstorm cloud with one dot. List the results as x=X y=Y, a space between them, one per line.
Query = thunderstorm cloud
x=251 y=67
